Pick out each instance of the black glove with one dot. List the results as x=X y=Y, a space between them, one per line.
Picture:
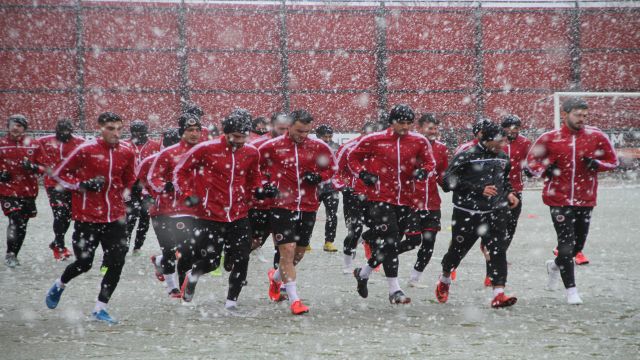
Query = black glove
x=168 y=187
x=527 y=172
x=548 y=172
x=266 y=191
x=591 y=164
x=420 y=174
x=368 y=178
x=94 y=184
x=311 y=178
x=29 y=166
x=136 y=190
x=5 y=176
x=192 y=201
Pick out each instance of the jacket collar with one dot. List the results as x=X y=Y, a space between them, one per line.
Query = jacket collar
x=106 y=145
x=565 y=131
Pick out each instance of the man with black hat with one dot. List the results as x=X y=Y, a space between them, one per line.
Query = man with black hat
x=482 y=196
x=228 y=176
x=570 y=159
x=140 y=201
x=172 y=220
x=476 y=130
x=389 y=163
x=328 y=193
x=58 y=147
x=100 y=174
x=20 y=156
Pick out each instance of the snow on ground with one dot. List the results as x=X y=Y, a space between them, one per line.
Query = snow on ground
x=341 y=324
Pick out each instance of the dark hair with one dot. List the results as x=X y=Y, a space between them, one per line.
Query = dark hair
x=193 y=109
x=491 y=131
x=574 y=103
x=302 y=116
x=257 y=121
x=280 y=116
x=401 y=113
x=324 y=129
x=511 y=120
x=108 y=116
x=479 y=125
x=428 y=118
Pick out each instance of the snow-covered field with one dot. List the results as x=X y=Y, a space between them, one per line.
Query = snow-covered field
x=341 y=324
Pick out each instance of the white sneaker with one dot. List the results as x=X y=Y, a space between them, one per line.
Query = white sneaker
x=416 y=284
x=554 y=275
x=574 y=299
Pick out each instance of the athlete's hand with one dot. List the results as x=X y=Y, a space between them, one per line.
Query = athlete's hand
x=527 y=172
x=550 y=171
x=29 y=166
x=490 y=190
x=513 y=200
x=266 y=191
x=5 y=176
x=168 y=187
x=192 y=201
x=591 y=164
x=311 y=178
x=368 y=178
x=94 y=184
x=420 y=174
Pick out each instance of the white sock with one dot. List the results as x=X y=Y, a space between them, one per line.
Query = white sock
x=394 y=285
x=230 y=304
x=170 y=280
x=445 y=280
x=572 y=291
x=497 y=291
x=100 y=306
x=365 y=271
x=60 y=284
x=348 y=261
x=415 y=275
x=159 y=260
x=277 y=276
x=292 y=291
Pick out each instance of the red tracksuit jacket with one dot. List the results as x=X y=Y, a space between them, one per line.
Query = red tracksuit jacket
x=393 y=159
x=576 y=185
x=143 y=151
x=23 y=183
x=57 y=152
x=427 y=195
x=345 y=177
x=225 y=179
x=264 y=204
x=94 y=158
x=465 y=146
x=160 y=172
x=284 y=162
x=517 y=151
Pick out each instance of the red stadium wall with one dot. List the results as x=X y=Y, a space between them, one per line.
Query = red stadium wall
x=79 y=58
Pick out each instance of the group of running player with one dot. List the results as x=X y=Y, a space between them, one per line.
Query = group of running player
x=213 y=199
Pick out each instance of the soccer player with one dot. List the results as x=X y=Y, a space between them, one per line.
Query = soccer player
x=569 y=159
x=100 y=173
x=295 y=164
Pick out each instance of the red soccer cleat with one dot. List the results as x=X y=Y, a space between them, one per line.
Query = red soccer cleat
x=274 y=287
x=298 y=308
x=66 y=253
x=501 y=300
x=581 y=259
x=157 y=269
x=487 y=282
x=454 y=275
x=57 y=252
x=442 y=292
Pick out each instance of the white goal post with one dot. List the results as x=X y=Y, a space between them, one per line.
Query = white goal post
x=557 y=95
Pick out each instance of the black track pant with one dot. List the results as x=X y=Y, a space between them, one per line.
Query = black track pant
x=572 y=227
x=182 y=229
x=261 y=229
x=235 y=238
x=514 y=215
x=331 y=200
x=60 y=202
x=387 y=222
x=113 y=239
x=169 y=238
x=138 y=211
x=18 y=211
x=354 y=208
x=493 y=231
x=430 y=225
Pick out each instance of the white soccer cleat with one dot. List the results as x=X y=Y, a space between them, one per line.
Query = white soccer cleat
x=574 y=298
x=554 y=275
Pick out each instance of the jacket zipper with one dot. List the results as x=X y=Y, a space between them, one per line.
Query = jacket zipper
x=295 y=147
x=106 y=194
x=233 y=167
x=399 y=182
x=573 y=168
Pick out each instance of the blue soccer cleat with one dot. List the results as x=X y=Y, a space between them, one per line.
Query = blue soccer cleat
x=53 y=296
x=103 y=316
